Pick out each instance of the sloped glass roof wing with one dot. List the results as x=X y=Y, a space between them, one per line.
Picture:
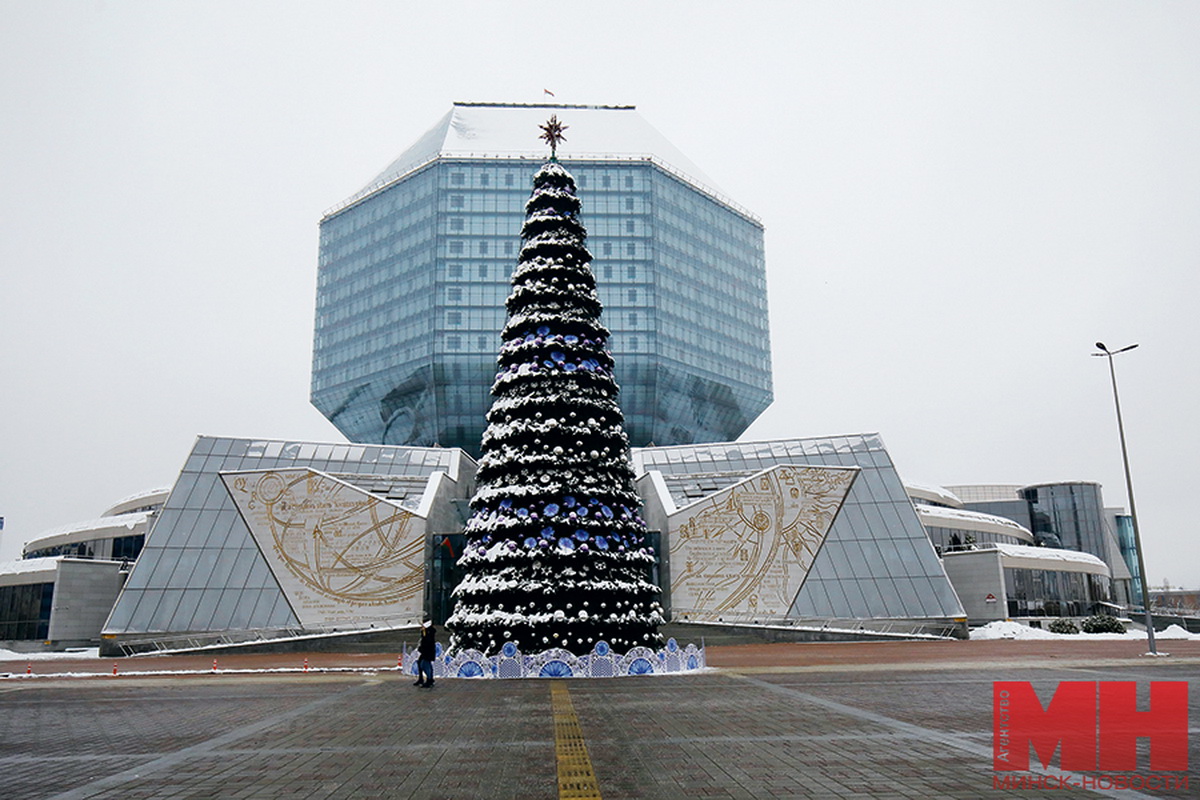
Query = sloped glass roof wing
x=876 y=561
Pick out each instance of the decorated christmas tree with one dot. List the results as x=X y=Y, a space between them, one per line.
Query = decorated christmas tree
x=556 y=552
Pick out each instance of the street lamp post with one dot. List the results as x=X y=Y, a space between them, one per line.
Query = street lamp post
x=1137 y=537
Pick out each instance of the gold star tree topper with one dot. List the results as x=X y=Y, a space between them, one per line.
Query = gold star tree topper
x=552 y=134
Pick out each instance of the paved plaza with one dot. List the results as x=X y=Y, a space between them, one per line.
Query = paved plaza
x=905 y=720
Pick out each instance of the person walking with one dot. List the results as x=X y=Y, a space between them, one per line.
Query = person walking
x=426 y=653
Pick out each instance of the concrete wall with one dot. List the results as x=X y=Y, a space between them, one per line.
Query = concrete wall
x=84 y=594
x=975 y=574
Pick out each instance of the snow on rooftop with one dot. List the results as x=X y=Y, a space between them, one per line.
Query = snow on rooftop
x=29 y=566
x=971 y=520
x=147 y=497
x=940 y=494
x=510 y=130
x=100 y=526
x=1048 y=558
x=1049 y=554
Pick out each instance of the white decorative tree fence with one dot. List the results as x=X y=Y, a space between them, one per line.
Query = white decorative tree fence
x=602 y=662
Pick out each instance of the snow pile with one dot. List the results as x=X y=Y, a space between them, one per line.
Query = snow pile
x=12 y=655
x=1015 y=630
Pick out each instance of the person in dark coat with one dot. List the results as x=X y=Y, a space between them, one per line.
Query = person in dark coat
x=426 y=653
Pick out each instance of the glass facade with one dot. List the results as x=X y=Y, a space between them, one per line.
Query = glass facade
x=1055 y=593
x=1017 y=510
x=1128 y=547
x=200 y=570
x=25 y=611
x=1071 y=513
x=117 y=548
x=876 y=561
x=949 y=539
x=413 y=277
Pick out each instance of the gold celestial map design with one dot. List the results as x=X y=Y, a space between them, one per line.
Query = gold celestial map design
x=333 y=538
x=745 y=551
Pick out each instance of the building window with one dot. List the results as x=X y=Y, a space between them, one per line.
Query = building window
x=453 y=342
x=606 y=248
x=456 y=247
x=456 y=223
x=457 y=178
x=454 y=294
x=628 y=200
x=508 y=248
x=607 y=270
x=630 y=249
x=483 y=340
x=455 y=270
x=633 y=319
x=127 y=547
x=631 y=272
x=508 y=179
x=632 y=295
x=483 y=248
x=484 y=179
x=457 y=201
x=483 y=270
x=629 y=226
x=629 y=183
x=25 y=610
x=454 y=318
x=605 y=181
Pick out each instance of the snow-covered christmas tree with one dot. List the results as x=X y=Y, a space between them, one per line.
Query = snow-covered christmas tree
x=556 y=552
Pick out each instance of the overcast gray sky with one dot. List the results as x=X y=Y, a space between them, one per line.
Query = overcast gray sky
x=959 y=199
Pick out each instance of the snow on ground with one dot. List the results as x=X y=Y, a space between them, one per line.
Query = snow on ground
x=12 y=655
x=1015 y=630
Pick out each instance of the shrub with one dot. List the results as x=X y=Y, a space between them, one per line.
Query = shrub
x=1102 y=623
x=1063 y=626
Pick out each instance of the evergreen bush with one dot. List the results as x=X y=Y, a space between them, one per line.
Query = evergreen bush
x=1102 y=623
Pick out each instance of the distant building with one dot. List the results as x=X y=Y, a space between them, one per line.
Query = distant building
x=414 y=271
x=1002 y=569
x=61 y=592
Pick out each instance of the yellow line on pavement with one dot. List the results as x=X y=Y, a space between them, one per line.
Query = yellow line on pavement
x=576 y=779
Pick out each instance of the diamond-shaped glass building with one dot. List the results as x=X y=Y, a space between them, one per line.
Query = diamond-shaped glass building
x=414 y=269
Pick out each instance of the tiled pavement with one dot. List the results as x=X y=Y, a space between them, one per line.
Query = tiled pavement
x=907 y=729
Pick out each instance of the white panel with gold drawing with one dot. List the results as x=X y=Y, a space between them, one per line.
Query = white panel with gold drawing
x=341 y=555
x=745 y=551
